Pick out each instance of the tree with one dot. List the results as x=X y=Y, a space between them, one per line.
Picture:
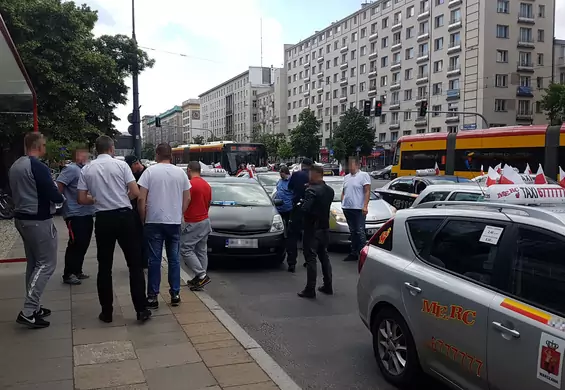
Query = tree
x=212 y=138
x=304 y=138
x=553 y=103
x=256 y=134
x=148 y=151
x=57 y=151
x=284 y=150
x=353 y=132
x=199 y=139
x=271 y=142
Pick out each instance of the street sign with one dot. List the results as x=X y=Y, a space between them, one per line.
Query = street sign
x=331 y=152
x=358 y=149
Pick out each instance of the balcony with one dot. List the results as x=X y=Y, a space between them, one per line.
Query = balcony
x=421 y=98
x=373 y=73
x=526 y=42
x=374 y=55
x=453 y=70
x=454 y=24
x=422 y=78
x=423 y=57
x=526 y=18
x=320 y=90
x=394 y=125
x=372 y=92
x=343 y=82
x=320 y=60
x=396 y=26
x=343 y=66
x=397 y=45
x=306 y=79
x=525 y=66
x=421 y=121
x=343 y=99
x=320 y=75
x=395 y=65
x=306 y=64
x=453 y=94
x=424 y=14
x=423 y=36
x=396 y=86
x=523 y=91
x=394 y=105
x=524 y=116
x=374 y=36
x=344 y=49
x=452 y=118
x=454 y=47
x=307 y=92
x=320 y=104
x=454 y=3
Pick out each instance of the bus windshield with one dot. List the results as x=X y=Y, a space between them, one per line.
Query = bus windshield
x=237 y=155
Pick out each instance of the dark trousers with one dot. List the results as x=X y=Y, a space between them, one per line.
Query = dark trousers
x=140 y=233
x=316 y=243
x=356 y=223
x=295 y=226
x=80 y=233
x=111 y=227
x=285 y=215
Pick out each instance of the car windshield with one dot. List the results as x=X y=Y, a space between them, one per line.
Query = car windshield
x=238 y=194
x=337 y=186
x=268 y=180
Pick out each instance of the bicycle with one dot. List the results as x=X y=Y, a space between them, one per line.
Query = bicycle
x=6 y=206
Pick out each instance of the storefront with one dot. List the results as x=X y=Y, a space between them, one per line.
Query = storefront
x=324 y=155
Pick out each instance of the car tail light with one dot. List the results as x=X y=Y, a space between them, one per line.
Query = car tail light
x=386 y=244
x=363 y=257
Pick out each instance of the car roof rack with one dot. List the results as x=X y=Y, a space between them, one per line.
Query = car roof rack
x=505 y=208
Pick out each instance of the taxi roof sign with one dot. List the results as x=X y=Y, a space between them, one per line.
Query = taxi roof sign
x=426 y=172
x=525 y=194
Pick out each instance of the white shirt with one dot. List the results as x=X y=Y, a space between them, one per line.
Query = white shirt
x=107 y=178
x=353 y=193
x=165 y=184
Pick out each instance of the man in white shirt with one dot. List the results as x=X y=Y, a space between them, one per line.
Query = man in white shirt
x=111 y=186
x=164 y=196
x=355 y=205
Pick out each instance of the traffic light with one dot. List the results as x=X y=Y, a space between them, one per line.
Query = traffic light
x=130 y=120
x=157 y=121
x=423 y=108
x=378 y=108
x=367 y=108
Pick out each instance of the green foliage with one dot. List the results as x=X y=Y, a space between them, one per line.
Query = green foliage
x=304 y=138
x=199 y=139
x=256 y=134
x=79 y=79
x=353 y=131
x=553 y=103
x=57 y=151
x=212 y=138
x=148 y=151
x=271 y=142
x=284 y=150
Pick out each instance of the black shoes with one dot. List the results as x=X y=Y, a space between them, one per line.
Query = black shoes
x=175 y=300
x=199 y=282
x=83 y=276
x=43 y=312
x=292 y=268
x=34 y=321
x=307 y=294
x=73 y=280
x=144 y=315
x=152 y=303
x=105 y=317
x=328 y=290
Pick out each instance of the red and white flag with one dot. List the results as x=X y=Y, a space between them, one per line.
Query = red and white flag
x=540 y=176
x=498 y=169
x=561 y=177
x=492 y=177
x=341 y=171
x=482 y=171
x=528 y=170
x=250 y=170
x=437 y=170
x=510 y=176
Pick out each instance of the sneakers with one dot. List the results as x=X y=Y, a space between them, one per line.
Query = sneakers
x=152 y=303
x=199 y=282
x=144 y=315
x=292 y=268
x=328 y=290
x=43 y=312
x=307 y=294
x=83 y=276
x=72 y=280
x=175 y=300
x=105 y=317
x=34 y=321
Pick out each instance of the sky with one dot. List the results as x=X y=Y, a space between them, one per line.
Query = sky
x=198 y=44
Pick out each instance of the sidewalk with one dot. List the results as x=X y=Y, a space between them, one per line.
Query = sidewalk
x=186 y=347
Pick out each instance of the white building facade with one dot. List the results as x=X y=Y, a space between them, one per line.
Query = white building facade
x=191 y=120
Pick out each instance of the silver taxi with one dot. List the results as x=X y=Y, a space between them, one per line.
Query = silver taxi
x=469 y=292
x=449 y=192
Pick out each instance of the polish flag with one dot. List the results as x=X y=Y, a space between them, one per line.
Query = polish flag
x=561 y=177
x=437 y=169
x=482 y=171
x=492 y=177
x=528 y=170
x=498 y=169
x=250 y=170
x=341 y=171
x=540 y=176
x=510 y=176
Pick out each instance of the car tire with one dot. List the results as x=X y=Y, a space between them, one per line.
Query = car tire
x=386 y=176
x=390 y=319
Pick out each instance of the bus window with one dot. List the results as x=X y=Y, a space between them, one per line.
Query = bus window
x=423 y=159
x=472 y=160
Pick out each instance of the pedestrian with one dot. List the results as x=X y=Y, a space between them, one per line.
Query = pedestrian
x=297 y=185
x=112 y=186
x=284 y=194
x=163 y=197
x=78 y=218
x=355 y=205
x=35 y=196
x=137 y=169
x=316 y=214
x=196 y=228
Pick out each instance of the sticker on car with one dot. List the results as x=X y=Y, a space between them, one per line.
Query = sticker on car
x=550 y=359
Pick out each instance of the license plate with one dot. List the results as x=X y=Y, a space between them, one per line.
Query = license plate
x=242 y=243
x=371 y=232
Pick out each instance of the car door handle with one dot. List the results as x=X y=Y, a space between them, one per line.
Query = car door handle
x=502 y=328
x=412 y=288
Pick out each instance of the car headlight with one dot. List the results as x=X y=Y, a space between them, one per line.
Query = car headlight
x=338 y=216
x=277 y=225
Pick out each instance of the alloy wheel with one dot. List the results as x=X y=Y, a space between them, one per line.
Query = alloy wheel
x=392 y=347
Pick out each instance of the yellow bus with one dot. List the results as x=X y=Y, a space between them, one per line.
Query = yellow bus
x=464 y=153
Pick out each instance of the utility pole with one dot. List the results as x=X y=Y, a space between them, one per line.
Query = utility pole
x=135 y=87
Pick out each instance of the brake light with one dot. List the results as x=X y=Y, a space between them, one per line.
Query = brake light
x=362 y=257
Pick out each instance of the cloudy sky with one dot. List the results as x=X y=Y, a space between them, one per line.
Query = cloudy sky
x=197 y=43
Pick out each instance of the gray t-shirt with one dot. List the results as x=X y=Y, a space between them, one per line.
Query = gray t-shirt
x=69 y=177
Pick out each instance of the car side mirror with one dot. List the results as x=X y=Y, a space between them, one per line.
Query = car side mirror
x=278 y=202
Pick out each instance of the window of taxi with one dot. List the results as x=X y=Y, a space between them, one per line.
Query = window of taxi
x=403 y=185
x=538 y=269
x=436 y=196
x=465 y=197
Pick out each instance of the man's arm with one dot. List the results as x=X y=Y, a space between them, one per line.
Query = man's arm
x=44 y=181
x=185 y=200
x=309 y=198
x=82 y=196
x=366 y=192
x=61 y=187
x=142 y=202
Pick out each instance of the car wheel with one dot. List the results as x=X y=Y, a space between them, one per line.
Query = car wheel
x=386 y=176
x=394 y=348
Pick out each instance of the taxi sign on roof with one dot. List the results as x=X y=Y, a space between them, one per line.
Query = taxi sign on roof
x=525 y=194
x=426 y=172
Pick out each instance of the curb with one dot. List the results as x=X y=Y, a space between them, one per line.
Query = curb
x=258 y=354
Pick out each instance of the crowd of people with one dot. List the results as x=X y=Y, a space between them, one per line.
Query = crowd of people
x=121 y=201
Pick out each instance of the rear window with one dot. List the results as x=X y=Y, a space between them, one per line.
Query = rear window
x=465 y=197
x=383 y=238
x=422 y=232
x=436 y=196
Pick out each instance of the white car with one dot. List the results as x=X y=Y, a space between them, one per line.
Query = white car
x=450 y=192
x=528 y=179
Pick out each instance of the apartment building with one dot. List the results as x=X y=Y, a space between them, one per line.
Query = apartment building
x=272 y=105
x=191 y=122
x=230 y=109
x=171 y=130
x=485 y=56
x=559 y=61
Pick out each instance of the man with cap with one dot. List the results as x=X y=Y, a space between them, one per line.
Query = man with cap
x=136 y=166
x=137 y=169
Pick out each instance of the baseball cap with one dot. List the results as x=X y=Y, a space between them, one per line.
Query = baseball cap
x=130 y=160
x=307 y=162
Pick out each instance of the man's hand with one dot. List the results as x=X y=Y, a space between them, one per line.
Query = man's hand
x=365 y=210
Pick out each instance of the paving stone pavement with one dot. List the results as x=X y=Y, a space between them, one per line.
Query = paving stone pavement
x=183 y=347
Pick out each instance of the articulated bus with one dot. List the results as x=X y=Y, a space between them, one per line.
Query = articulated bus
x=228 y=153
x=464 y=153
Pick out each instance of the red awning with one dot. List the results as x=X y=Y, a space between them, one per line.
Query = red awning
x=17 y=95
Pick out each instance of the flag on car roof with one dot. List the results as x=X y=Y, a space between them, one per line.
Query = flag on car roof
x=437 y=169
x=482 y=171
x=528 y=170
x=540 y=176
x=341 y=171
x=498 y=169
x=561 y=177
x=510 y=176
x=492 y=177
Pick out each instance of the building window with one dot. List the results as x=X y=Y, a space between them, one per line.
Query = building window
x=502 y=31
x=501 y=81
x=502 y=56
x=503 y=6
x=500 y=105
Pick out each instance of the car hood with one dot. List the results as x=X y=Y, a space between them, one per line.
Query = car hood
x=378 y=210
x=251 y=218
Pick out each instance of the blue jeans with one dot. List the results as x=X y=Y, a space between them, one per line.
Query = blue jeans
x=155 y=235
x=356 y=223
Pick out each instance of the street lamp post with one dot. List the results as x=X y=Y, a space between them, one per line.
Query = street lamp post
x=135 y=89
